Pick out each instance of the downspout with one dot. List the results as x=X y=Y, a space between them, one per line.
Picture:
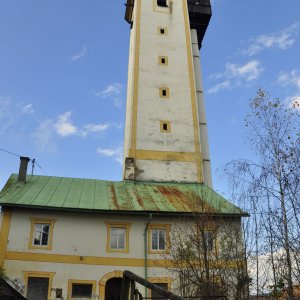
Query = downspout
x=201 y=111
x=146 y=252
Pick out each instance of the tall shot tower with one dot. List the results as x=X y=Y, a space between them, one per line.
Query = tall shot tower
x=166 y=132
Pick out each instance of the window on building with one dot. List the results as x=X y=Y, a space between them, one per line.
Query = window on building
x=155 y=295
x=162 y=3
x=41 y=234
x=208 y=237
x=165 y=126
x=164 y=92
x=38 y=285
x=81 y=289
x=163 y=60
x=162 y=30
x=118 y=237
x=37 y=288
x=162 y=282
x=159 y=238
x=209 y=240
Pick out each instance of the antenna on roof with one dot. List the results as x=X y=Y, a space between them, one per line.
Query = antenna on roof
x=32 y=166
x=33 y=161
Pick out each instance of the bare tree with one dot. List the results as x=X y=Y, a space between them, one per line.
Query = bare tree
x=207 y=253
x=271 y=182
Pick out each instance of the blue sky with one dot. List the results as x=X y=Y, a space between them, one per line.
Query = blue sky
x=63 y=74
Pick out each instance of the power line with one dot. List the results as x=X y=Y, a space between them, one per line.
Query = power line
x=3 y=150
x=30 y=159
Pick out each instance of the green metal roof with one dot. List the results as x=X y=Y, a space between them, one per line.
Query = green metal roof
x=125 y=196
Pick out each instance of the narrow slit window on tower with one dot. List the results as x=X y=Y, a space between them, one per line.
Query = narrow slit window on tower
x=165 y=126
x=163 y=60
x=164 y=92
x=162 y=30
x=162 y=3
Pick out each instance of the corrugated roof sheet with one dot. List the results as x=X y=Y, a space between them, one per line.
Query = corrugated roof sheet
x=126 y=196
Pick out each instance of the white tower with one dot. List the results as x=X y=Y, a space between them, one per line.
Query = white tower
x=166 y=133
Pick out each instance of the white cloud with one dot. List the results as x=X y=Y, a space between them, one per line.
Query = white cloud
x=94 y=128
x=28 y=109
x=64 y=126
x=290 y=78
x=219 y=86
x=266 y=262
x=248 y=71
x=113 y=91
x=46 y=133
x=282 y=39
x=116 y=153
x=13 y=114
x=44 y=137
x=81 y=54
x=236 y=75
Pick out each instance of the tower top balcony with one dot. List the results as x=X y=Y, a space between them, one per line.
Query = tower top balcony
x=199 y=15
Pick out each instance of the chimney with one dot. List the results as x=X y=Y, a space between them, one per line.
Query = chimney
x=129 y=173
x=23 y=168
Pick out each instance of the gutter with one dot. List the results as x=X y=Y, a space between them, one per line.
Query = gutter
x=127 y=212
x=146 y=252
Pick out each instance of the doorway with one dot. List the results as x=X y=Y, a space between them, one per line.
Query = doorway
x=37 y=288
x=113 y=288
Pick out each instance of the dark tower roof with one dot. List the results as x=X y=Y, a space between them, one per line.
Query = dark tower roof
x=199 y=14
x=129 y=9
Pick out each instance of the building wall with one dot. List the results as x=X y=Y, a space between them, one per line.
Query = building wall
x=79 y=250
x=79 y=234
x=172 y=155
